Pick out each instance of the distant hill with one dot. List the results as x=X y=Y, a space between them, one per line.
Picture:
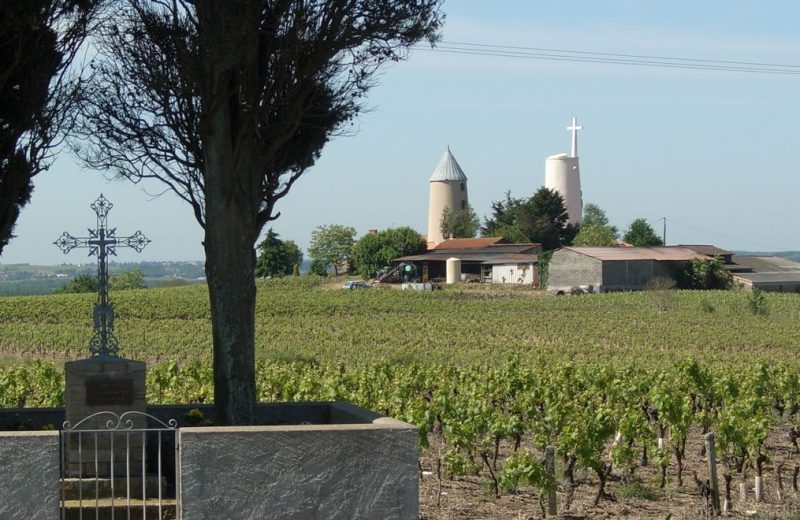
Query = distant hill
x=27 y=279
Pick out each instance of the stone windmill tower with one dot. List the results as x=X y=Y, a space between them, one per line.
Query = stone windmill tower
x=562 y=174
x=448 y=189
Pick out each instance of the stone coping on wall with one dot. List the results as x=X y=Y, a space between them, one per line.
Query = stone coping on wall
x=267 y=414
x=302 y=471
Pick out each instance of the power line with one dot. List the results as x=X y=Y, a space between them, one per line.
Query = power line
x=650 y=57
x=728 y=236
x=577 y=56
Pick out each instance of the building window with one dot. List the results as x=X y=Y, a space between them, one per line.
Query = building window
x=463 y=204
x=462 y=186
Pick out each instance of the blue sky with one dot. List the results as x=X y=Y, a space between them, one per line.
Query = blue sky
x=716 y=153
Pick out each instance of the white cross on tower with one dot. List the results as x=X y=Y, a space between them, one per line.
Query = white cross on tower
x=574 y=129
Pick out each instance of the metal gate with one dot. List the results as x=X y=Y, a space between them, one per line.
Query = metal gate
x=118 y=466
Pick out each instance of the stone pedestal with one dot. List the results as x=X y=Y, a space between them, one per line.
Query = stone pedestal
x=104 y=384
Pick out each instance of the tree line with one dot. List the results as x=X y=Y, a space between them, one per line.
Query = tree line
x=541 y=218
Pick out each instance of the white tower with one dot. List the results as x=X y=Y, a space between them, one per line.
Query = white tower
x=562 y=174
x=448 y=189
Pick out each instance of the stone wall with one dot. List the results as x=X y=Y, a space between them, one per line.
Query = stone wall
x=29 y=475
x=316 y=460
x=336 y=471
x=569 y=269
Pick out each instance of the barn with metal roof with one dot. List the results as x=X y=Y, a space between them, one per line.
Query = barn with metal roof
x=615 y=268
x=767 y=273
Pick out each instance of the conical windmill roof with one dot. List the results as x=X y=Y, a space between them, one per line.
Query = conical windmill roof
x=448 y=169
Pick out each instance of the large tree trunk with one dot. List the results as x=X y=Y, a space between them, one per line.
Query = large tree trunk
x=228 y=48
x=231 y=232
x=230 y=263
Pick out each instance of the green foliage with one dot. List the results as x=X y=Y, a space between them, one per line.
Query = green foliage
x=541 y=218
x=595 y=235
x=641 y=234
x=503 y=216
x=743 y=423
x=594 y=214
x=459 y=464
x=127 y=281
x=332 y=246
x=543 y=267
x=318 y=267
x=276 y=257
x=87 y=283
x=37 y=386
x=705 y=274
x=523 y=468
x=82 y=283
x=545 y=220
x=757 y=303
x=460 y=223
x=511 y=234
x=375 y=251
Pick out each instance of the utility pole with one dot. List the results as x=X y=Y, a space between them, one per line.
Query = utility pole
x=664 y=233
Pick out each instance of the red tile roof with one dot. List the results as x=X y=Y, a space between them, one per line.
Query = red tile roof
x=468 y=243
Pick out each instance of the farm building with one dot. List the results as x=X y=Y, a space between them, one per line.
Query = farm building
x=481 y=259
x=514 y=268
x=767 y=273
x=615 y=268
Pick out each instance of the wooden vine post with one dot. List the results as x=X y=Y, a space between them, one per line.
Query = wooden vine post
x=550 y=468
x=711 y=453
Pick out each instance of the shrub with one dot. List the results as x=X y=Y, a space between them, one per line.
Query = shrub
x=757 y=303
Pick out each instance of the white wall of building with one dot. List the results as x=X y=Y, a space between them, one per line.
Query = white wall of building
x=514 y=273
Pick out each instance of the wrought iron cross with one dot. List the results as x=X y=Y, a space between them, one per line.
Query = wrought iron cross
x=102 y=242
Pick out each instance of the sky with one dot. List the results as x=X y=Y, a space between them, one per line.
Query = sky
x=714 y=152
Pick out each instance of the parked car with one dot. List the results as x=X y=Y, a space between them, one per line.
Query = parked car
x=356 y=284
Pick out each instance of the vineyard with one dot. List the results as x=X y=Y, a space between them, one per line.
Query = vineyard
x=623 y=386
